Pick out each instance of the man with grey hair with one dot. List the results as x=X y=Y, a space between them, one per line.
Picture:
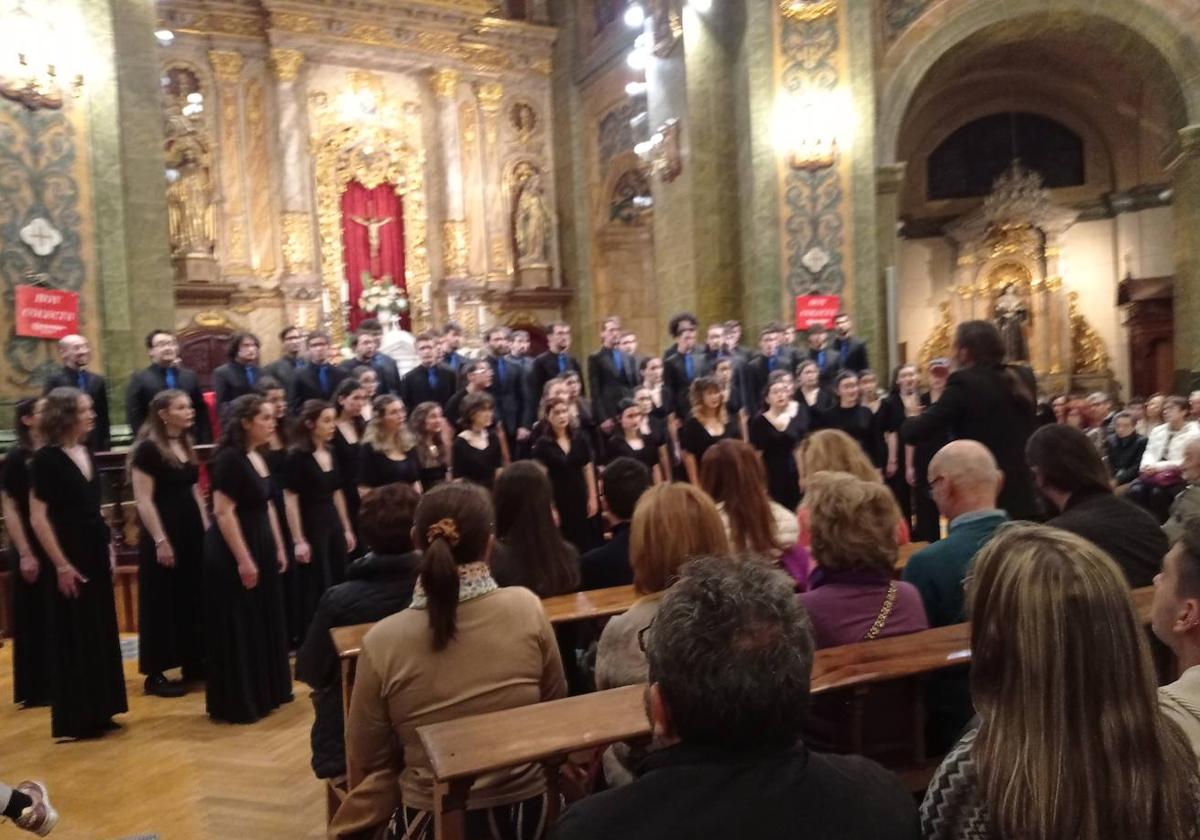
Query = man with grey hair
x=730 y=657
x=1187 y=504
x=75 y=353
x=964 y=483
x=1100 y=406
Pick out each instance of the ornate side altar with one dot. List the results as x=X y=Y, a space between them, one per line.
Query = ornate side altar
x=1008 y=271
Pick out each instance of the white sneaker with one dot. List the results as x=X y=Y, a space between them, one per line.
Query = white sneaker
x=40 y=817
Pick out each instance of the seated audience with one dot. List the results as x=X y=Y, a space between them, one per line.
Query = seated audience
x=852 y=596
x=1093 y=758
x=732 y=473
x=1187 y=503
x=965 y=482
x=529 y=549
x=1124 y=449
x=491 y=649
x=1068 y=472
x=672 y=524
x=730 y=659
x=377 y=584
x=1159 y=481
x=622 y=483
x=1175 y=619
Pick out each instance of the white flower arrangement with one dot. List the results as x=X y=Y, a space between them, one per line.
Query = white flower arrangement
x=381 y=295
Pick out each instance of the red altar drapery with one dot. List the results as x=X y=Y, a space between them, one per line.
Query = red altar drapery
x=374 y=206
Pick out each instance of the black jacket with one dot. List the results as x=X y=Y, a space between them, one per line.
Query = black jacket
x=608 y=385
x=415 y=389
x=385 y=368
x=100 y=439
x=828 y=361
x=546 y=367
x=608 y=565
x=376 y=586
x=979 y=404
x=285 y=370
x=230 y=382
x=678 y=384
x=308 y=385
x=853 y=356
x=143 y=386
x=1129 y=534
x=1125 y=456
x=511 y=392
x=687 y=792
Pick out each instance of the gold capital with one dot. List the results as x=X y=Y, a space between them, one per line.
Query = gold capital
x=445 y=82
x=489 y=95
x=226 y=64
x=286 y=63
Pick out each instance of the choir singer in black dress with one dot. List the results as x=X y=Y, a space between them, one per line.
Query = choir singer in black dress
x=164 y=470
x=316 y=508
x=32 y=575
x=849 y=416
x=349 y=399
x=385 y=454
x=567 y=456
x=476 y=455
x=245 y=633
x=776 y=434
x=428 y=425
x=88 y=684
x=708 y=424
x=630 y=441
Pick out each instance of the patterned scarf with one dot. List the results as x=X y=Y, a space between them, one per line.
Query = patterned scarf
x=474 y=581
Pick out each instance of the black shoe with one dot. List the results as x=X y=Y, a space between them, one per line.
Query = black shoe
x=160 y=686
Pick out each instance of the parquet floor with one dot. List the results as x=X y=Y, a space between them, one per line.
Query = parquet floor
x=169 y=771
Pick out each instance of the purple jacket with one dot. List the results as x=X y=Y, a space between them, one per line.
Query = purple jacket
x=844 y=605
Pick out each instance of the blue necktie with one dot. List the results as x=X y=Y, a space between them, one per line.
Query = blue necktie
x=845 y=351
x=821 y=359
x=300 y=364
x=618 y=363
x=250 y=375
x=771 y=361
x=689 y=366
x=499 y=370
x=562 y=363
x=323 y=378
x=169 y=375
x=82 y=380
x=432 y=379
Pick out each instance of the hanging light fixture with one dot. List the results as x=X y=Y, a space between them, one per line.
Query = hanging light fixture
x=30 y=72
x=635 y=16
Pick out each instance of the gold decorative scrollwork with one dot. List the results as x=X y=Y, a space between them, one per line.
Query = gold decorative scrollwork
x=286 y=63
x=226 y=64
x=807 y=10
x=445 y=82
x=297 y=243
x=937 y=346
x=1087 y=347
x=454 y=248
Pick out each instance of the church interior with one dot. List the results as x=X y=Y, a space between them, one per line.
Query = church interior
x=210 y=168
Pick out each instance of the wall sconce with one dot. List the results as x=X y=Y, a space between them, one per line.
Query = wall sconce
x=661 y=155
x=809 y=128
x=28 y=74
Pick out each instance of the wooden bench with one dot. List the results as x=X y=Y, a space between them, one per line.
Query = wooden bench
x=462 y=750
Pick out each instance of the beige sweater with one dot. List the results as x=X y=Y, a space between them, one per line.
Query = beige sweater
x=503 y=656
x=1180 y=701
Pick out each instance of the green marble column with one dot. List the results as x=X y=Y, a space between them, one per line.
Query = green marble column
x=129 y=191
x=1186 y=199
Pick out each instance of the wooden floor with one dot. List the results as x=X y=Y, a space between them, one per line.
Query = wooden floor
x=169 y=771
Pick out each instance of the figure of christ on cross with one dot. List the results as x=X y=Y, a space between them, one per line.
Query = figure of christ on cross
x=373 y=226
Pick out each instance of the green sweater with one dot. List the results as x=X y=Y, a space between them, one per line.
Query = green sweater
x=938 y=571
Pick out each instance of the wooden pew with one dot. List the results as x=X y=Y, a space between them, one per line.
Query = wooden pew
x=462 y=750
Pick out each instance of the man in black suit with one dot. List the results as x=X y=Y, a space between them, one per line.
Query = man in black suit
x=241 y=373
x=508 y=386
x=714 y=346
x=452 y=337
x=319 y=378
x=678 y=323
x=163 y=373
x=384 y=366
x=820 y=352
x=682 y=368
x=609 y=376
x=851 y=353
x=624 y=481
x=756 y=371
x=988 y=401
x=553 y=363
x=428 y=381
x=634 y=359
x=733 y=343
x=292 y=361
x=518 y=350
x=75 y=354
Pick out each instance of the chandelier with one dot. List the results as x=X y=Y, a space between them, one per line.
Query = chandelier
x=29 y=73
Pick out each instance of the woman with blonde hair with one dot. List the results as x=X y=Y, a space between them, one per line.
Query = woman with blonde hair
x=853 y=595
x=386 y=446
x=710 y=423
x=1094 y=758
x=672 y=524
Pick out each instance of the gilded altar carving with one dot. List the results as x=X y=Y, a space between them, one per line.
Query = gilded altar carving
x=807 y=11
x=297 y=243
x=489 y=95
x=938 y=344
x=1087 y=347
x=226 y=64
x=258 y=181
x=454 y=248
x=445 y=82
x=286 y=63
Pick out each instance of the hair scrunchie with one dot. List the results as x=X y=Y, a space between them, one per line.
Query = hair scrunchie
x=445 y=529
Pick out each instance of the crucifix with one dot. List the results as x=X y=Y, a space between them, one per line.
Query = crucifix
x=372 y=225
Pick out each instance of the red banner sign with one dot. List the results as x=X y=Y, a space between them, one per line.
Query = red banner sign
x=817 y=308
x=46 y=313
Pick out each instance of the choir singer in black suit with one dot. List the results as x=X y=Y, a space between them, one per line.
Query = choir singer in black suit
x=508 y=387
x=164 y=372
x=367 y=341
x=319 y=378
x=429 y=381
x=851 y=352
x=610 y=378
x=554 y=362
x=241 y=373
x=293 y=359
x=75 y=354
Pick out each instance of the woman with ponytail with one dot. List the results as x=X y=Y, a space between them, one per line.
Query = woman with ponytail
x=492 y=648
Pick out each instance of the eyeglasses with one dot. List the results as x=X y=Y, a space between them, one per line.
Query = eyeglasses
x=641 y=635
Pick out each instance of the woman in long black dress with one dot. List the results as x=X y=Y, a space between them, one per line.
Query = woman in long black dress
x=164 y=471
x=348 y=400
x=899 y=471
x=629 y=442
x=385 y=454
x=316 y=508
x=870 y=398
x=654 y=430
x=855 y=420
x=568 y=459
x=245 y=633
x=275 y=454
x=476 y=454
x=928 y=526
x=809 y=391
x=429 y=428
x=32 y=575
x=776 y=434
x=709 y=424
x=583 y=417
x=88 y=684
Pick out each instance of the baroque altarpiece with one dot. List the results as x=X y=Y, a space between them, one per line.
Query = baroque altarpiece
x=329 y=161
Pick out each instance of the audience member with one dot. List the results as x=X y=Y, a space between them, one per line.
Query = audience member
x=1124 y=449
x=988 y=401
x=730 y=659
x=852 y=595
x=672 y=524
x=1092 y=758
x=1068 y=472
x=492 y=649
x=529 y=550
x=240 y=374
x=75 y=353
x=1160 y=480
x=1175 y=619
x=376 y=585
x=1154 y=413
x=964 y=482
x=164 y=372
x=1187 y=503
x=622 y=483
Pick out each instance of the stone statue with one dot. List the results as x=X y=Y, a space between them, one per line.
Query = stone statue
x=190 y=203
x=531 y=224
x=1010 y=317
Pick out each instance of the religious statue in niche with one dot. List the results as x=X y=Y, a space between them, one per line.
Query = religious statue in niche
x=189 y=197
x=524 y=120
x=531 y=221
x=1010 y=317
